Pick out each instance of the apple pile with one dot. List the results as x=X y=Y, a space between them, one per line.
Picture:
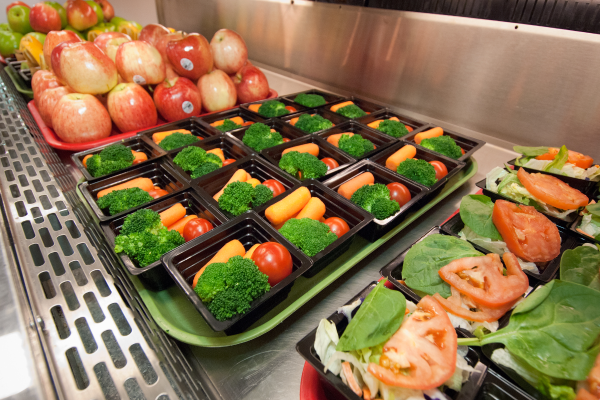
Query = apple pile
x=89 y=86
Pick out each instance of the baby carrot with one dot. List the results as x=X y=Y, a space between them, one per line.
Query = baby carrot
x=254 y=107
x=142 y=183
x=338 y=106
x=285 y=209
x=347 y=189
x=314 y=209
x=139 y=156
x=84 y=161
x=251 y=251
x=335 y=139
x=395 y=159
x=231 y=249
x=159 y=136
x=311 y=148
x=217 y=152
x=375 y=124
x=253 y=182
x=431 y=133
x=238 y=176
x=180 y=225
x=172 y=214
x=293 y=120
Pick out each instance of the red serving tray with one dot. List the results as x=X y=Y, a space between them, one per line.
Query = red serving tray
x=54 y=141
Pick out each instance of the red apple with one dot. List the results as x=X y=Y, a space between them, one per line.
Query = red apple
x=152 y=32
x=229 y=51
x=190 y=56
x=81 y=15
x=54 y=38
x=103 y=38
x=16 y=3
x=107 y=9
x=41 y=81
x=55 y=59
x=140 y=63
x=111 y=49
x=48 y=101
x=177 y=99
x=171 y=72
x=131 y=107
x=44 y=18
x=86 y=69
x=161 y=43
x=79 y=118
x=251 y=84
x=217 y=91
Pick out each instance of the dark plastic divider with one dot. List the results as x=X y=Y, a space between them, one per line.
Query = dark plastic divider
x=228 y=114
x=336 y=119
x=367 y=106
x=191 y=124
x=379 y=139
x=285 y=130
x=575 y=232
x=288 y=103
x=496 y=387
x=330 y=98
x=416 y=125
x=468 y=144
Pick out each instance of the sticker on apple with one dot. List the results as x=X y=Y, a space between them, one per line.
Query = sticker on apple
x=187 y=64
x=139 y=79
x=187 y=107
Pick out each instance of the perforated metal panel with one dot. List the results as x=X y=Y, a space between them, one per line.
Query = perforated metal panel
x=99 y=339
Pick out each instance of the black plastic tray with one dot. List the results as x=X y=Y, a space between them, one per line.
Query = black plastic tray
x=468 y=144
x=331 y=116
x=285 y=130
x=367 y=106
x=210 y=184
x=496 y=387
x=154 y=276
x=228 y=114
x=377 y=228
x=453 y=166
x=416 y=125
x=136 y=143
x=379 y=139
x=17 y=66
x=305 y=348
x=231 y=149
x=184 y=262
x=330 y=98
x=283 y=100
x=192 y=124
x=273 y=154
x=336 y=206
x=159 y=171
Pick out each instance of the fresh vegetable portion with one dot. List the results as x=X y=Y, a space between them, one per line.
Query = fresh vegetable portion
x=174 y=139
x=242 y=192
x=122 y=200
x=590 y=221
x=581 y=265
x=303 y=165
x=419 y=171
x=197 y=161
x=559 y=161
x=260 y=136
x=226 y=125
x=348 y=109
x=444 y=145
x=392 y=127
x=376 y=199
x=354 y=144
x=311 y=123
x=310 y=100
x=111 y=159
x=271 y=109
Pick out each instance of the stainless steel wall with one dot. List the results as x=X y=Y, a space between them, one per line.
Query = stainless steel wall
x=519 y=83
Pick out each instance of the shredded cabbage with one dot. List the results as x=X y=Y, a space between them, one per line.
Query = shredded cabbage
x=589 y=225
x=592 y=173
x=348 y=308
x=495 y=175
x=325 y=341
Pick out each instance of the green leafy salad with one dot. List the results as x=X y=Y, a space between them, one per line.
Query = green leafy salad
x=590 y=221
x=565 y=162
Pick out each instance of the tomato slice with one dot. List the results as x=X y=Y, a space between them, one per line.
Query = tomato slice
x=527 y=233
x=580 y=160
x=552 y=190
x=422 y=354
x=440 y=169
x=484 y=314
x=482 y=280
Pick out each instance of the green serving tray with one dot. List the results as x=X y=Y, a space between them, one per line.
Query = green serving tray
x=19 y=82
x=174 y=313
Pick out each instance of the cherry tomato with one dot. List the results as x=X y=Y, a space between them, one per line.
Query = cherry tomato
x=337 y=226
x=195 y=228
x=273 y=260
x=399 y=192
x=290 y=109
x=440 y=169
x=285 y=140
x=228 y=161
x=330 y=162
x=156 y=193
x=276 y=187
x=552 y=190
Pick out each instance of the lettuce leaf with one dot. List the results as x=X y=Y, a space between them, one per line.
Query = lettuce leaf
x=580 y=265
x=476 y=212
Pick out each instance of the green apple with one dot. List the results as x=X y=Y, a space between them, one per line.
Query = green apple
x=41 y=37
x=117 y=20
x=18 y=19
x=5 y=27
x=9 y=42
x=137 y=25
x=96 y=8
x=61 y=11
x=70 y=28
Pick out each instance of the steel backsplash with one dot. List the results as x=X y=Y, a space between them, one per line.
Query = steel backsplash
x=525 y=84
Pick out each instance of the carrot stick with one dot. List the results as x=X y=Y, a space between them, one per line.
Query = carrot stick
x=159 y=136
x=253 y=182
x=285 y=209
x=84 y=161
x=217 y=152
x=254 y=107
x=138 y=157
x=314 y=209
x=237 y=120
x=217 y=123
x=431 y=133
x=172 y=214
x=180 y=225
x=143 y=183
x=341 y=105
x=375 y=124
x=350 y=378
x=238 y=176
x=347 y=189
x=394 y=119
x=311 y=148
x=395 y=159
x=409 y=128
x=231 y=249
x=335 y=139
x=278 y=227
x=251 y=251
x=293 y=120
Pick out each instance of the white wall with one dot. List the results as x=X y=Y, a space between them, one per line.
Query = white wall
x=141 y=11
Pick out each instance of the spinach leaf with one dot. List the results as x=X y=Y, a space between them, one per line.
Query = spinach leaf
x=531 y=151
x=581 y=265
x=377 y=319
x=560 y=160
x=476 y=213
x=555 y=330
x=425 y=258
x=593 y=209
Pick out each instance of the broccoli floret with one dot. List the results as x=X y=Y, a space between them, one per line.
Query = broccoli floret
x=117 y=152
x=262 y=194
x=418 y=170
x=260 y=137
x=313 y=123
x=444 y=145
x=140 y=221
x=229 y=288
x=376 y=200
x=236 y=198
x=204 y=169
x=355 y=145
x=272 y=108
x=214 y=159
x=177 y=140
x=190 y=158
x=309 y=235
x=98 y=166
x=310 y=166
x=121 y=200
x=228 y=125
x=310 y=100
x=393 y=128
x=351 y=111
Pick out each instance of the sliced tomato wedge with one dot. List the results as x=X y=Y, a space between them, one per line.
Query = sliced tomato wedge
x=482 y=280
x=552 y=190
x=482 y=314
x=528 y=234
x=580 y=160
x=422 y=353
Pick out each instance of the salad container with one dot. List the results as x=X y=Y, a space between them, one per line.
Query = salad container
x=288 y=103
x=184 y=262
x=495 y=387
x=468 y=144
x=330 y=98
x=228 y=114
x=416 y=125
x=367 y=106
x=379 y=139
x=191 y=124
x=336 y=119
x=285 y=130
